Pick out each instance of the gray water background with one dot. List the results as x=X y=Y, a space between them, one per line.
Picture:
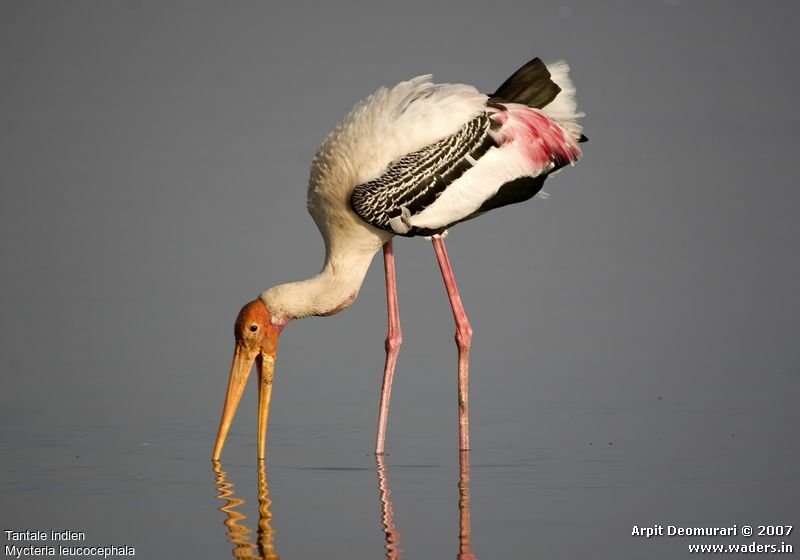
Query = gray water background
x=635 y=358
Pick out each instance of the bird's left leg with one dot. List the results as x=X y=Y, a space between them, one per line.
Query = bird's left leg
x=394 y=339
x=463 y=339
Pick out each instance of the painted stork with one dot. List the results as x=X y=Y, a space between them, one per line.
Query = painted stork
x=412 y=160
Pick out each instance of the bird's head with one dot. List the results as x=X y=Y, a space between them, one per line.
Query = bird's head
x=256 y=331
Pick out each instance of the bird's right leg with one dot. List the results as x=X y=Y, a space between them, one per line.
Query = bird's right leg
x=463 y=339
x=394 y=339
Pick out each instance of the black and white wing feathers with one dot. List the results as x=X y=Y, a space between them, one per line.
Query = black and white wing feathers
x=501 y=154
x=416 y=180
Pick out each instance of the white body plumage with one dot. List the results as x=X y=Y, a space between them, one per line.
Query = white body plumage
x=378 y=131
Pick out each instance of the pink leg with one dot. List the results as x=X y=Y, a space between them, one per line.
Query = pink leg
x=394 y=339
x=463 y=340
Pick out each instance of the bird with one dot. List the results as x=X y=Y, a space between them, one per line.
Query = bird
x=412 y=160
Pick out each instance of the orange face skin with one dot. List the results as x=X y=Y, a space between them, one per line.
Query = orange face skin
x=254 y=330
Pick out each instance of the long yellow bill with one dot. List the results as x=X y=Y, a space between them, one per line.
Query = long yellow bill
x=240 y=371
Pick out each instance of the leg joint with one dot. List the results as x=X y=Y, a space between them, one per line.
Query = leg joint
x=463 y=334
x=394 y=340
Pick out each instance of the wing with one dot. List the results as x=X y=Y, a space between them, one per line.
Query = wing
x=415 y=181
x=502 y=151
x=500 y=157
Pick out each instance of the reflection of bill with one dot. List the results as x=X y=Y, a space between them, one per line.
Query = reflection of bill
x=393 y=550
x=238 y=534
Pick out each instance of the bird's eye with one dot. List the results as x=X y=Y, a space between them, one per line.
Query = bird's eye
x=253 y=328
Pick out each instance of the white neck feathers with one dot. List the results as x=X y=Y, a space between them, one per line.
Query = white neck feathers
x=330 y=291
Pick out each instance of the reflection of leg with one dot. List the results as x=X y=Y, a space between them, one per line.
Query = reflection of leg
x=394 y=339
x=465 y=531
x=266 y=534
x=463 y=340
x=393 y=550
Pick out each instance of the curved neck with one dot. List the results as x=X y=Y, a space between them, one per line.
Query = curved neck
x=330 y=291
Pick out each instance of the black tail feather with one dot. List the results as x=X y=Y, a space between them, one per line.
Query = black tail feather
x=530 y=85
